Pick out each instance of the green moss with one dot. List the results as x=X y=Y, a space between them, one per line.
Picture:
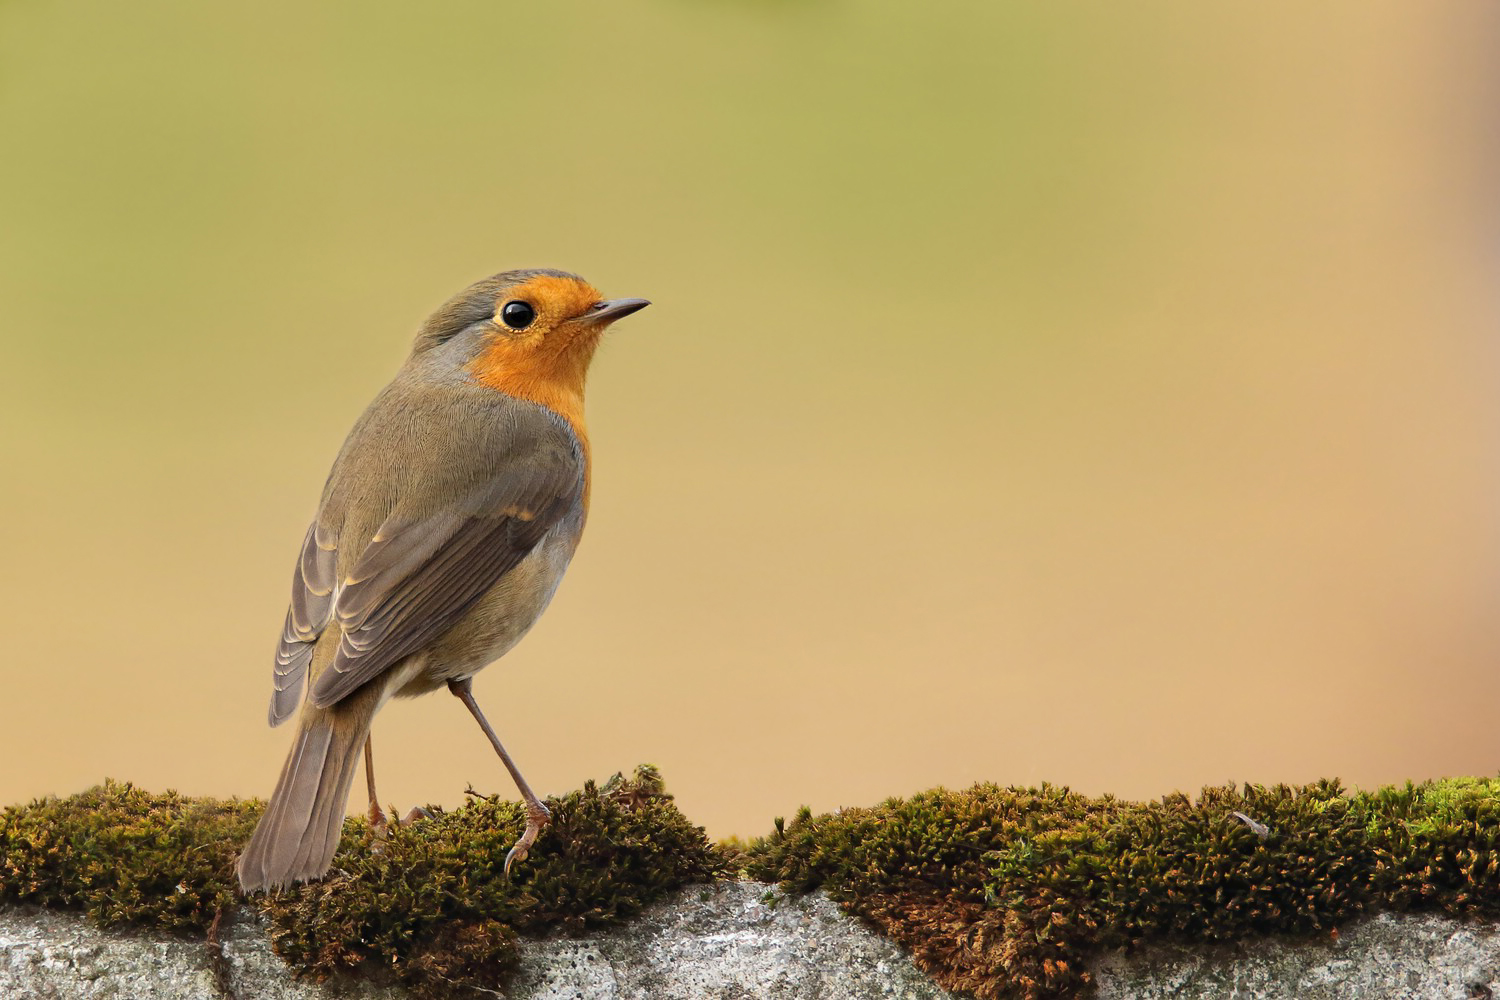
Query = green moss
x=1006 y=892
x=125 y=856
x=429 y=906
x=1003 y=892
x=434 y=908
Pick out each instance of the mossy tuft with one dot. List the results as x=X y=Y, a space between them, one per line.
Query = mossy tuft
x=428 y=906
x=125 y=856
x=1006 y=892
x=434 y=909
x=1002 y=892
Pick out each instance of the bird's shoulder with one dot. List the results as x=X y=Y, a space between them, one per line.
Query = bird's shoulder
x=421 y=448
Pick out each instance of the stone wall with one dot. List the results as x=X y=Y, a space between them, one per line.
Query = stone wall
x=742 y=941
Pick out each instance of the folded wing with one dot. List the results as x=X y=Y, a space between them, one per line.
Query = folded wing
x=419 y=575
x=310 y=611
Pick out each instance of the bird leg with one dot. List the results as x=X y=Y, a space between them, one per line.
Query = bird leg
x=377 y=815
x=378 y=821
x=537 y=814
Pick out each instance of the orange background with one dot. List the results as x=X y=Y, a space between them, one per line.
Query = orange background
x=1096 y=394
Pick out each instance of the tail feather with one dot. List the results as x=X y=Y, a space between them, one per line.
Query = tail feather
x=299 y=832
x=327 y=818
x=306 y=780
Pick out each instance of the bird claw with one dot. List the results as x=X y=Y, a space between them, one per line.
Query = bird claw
x=381 y=825
x=535 y=820
x=378 y=823
x=415 y=813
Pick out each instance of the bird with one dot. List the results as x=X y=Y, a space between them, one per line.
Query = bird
x=442 y=533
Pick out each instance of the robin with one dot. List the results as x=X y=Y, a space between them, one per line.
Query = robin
x=445 y=526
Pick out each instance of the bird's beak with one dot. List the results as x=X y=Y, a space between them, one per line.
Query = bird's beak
x=612 y=309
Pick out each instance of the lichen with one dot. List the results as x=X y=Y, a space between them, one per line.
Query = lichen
x=1007 y=892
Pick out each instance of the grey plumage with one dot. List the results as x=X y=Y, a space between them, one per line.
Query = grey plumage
x=421 y=572
x=442 y=533
x=311 y=608
x=299 y=832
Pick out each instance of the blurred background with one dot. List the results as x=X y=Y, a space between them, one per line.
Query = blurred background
x=1104 y=395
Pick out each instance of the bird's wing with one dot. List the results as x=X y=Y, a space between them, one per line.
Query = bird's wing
x=419 y=575
x=306 y=618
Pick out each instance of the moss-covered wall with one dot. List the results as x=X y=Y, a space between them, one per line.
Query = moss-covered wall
x=1001 y=892
x=429 y=905
x=1006 y=892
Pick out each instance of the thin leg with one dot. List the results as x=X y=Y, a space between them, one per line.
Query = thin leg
x=537 y=814
x=377 y=815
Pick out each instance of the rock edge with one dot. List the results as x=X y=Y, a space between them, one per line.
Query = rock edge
x=745 y=940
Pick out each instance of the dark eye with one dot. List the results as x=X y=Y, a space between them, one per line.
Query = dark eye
x=517 y=315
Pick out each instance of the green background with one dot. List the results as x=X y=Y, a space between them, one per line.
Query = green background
x=1103 y=394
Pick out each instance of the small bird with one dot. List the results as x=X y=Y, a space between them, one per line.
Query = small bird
x=444 y=528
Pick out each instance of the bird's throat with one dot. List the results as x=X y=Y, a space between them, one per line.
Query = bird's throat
x=557 y=386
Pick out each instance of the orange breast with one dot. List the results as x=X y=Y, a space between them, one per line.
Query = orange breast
x=547 y=363
x=496 y=370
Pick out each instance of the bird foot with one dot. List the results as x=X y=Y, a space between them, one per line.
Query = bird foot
x=537 y=816
x=381 y=825
x=415 y=813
